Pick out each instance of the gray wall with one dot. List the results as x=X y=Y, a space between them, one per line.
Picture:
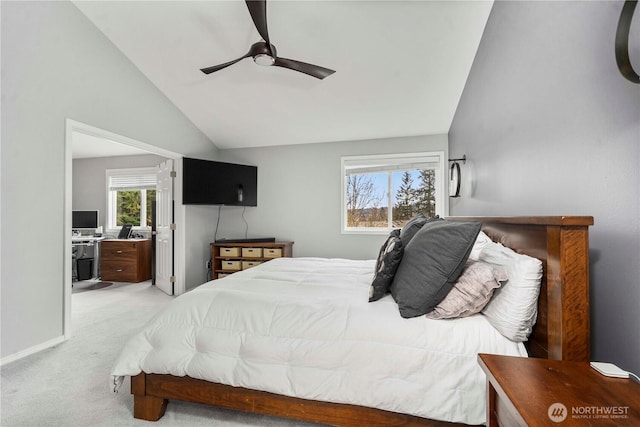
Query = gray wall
x=201 y=222
x=552 y=128
x=57 y=65
x=299 y=196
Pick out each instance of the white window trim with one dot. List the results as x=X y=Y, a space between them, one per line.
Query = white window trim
x=111 y=197
x=442 y=185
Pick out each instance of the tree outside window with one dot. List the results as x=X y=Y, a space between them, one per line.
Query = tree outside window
x=363 y=202
x=384 y=192
x=134 y=207
x=131 y=195
x=367 y=202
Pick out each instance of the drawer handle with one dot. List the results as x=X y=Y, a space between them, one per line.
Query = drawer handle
x=118 y=252
x=119 y=270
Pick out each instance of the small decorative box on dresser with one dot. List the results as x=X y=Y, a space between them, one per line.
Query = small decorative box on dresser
x=125 y=260
x=228 y=257
x=532 y=392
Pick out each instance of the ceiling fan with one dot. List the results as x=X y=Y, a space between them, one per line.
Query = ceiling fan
x=264 y=53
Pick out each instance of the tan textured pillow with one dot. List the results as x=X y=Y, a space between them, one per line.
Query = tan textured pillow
x=471 y=292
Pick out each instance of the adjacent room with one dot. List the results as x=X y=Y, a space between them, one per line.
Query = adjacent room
x=268 y=213
x=113 y=196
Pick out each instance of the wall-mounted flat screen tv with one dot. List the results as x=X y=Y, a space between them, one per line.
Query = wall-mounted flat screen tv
x=84 y=219
x=206 y=182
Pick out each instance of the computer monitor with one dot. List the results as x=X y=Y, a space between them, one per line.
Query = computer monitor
x=84 y=219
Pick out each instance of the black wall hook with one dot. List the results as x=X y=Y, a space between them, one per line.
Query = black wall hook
x=622 y=42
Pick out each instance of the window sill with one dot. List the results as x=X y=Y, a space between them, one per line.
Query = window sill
x=371 y=231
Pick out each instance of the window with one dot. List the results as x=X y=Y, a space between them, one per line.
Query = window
x=382 y=192
x=130 y=195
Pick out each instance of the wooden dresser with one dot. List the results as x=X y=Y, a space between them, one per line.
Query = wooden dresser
x=125 y=260
x=228 y=257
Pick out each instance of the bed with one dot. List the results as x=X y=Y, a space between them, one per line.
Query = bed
x=561 y=331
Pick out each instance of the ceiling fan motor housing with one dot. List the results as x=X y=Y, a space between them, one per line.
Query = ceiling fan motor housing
x=262 y=55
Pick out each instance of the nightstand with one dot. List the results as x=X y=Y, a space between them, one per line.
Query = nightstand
x=541 y=392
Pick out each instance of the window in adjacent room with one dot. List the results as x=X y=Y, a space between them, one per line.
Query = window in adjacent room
x=382 y=192
x=130 y=195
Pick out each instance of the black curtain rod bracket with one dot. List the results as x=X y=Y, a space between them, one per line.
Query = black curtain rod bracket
x=463 y=159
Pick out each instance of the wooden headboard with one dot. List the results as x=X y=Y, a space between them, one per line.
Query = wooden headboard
x=562 y=244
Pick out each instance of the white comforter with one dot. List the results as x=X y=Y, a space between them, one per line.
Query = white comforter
x=304 y=327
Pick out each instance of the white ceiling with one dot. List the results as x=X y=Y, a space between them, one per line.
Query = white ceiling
x=401 y=66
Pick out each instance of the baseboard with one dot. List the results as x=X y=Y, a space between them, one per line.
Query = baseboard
x=32 y=350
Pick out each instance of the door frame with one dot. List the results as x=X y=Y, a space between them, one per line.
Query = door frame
x=72 y=126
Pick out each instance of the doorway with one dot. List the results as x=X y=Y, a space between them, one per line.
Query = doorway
x=73 y=130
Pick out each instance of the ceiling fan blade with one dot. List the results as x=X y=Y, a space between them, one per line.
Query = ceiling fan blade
x=258 y=11
x=310 y=69
x=210 y=70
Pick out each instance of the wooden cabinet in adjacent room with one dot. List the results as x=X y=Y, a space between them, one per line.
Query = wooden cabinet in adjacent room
x=125 y=260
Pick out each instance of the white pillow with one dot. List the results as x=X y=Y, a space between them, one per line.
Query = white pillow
x=514 y=307
x=481 y=241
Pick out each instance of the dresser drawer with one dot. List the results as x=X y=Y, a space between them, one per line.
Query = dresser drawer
x=251 y=252
x=231 y=265
x=229 y=251
x=125 y=270
x=119 y=275
x=249 y=264
x=118 y=249
x=272 y=252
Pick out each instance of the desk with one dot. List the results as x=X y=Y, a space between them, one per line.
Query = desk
x=92 y=241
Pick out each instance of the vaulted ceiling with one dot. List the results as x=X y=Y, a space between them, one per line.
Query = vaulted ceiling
x=401 y=66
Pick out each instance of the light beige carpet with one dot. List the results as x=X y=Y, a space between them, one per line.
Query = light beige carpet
x=68 y=385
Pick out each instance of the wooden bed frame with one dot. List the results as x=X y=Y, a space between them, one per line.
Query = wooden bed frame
x=561 y=331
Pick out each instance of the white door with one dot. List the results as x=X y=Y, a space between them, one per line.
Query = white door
x=165 y=226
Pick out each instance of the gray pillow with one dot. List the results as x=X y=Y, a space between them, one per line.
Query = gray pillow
x=413 y=226
x=431 y=263
x=471 y=292
x=389 y=258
